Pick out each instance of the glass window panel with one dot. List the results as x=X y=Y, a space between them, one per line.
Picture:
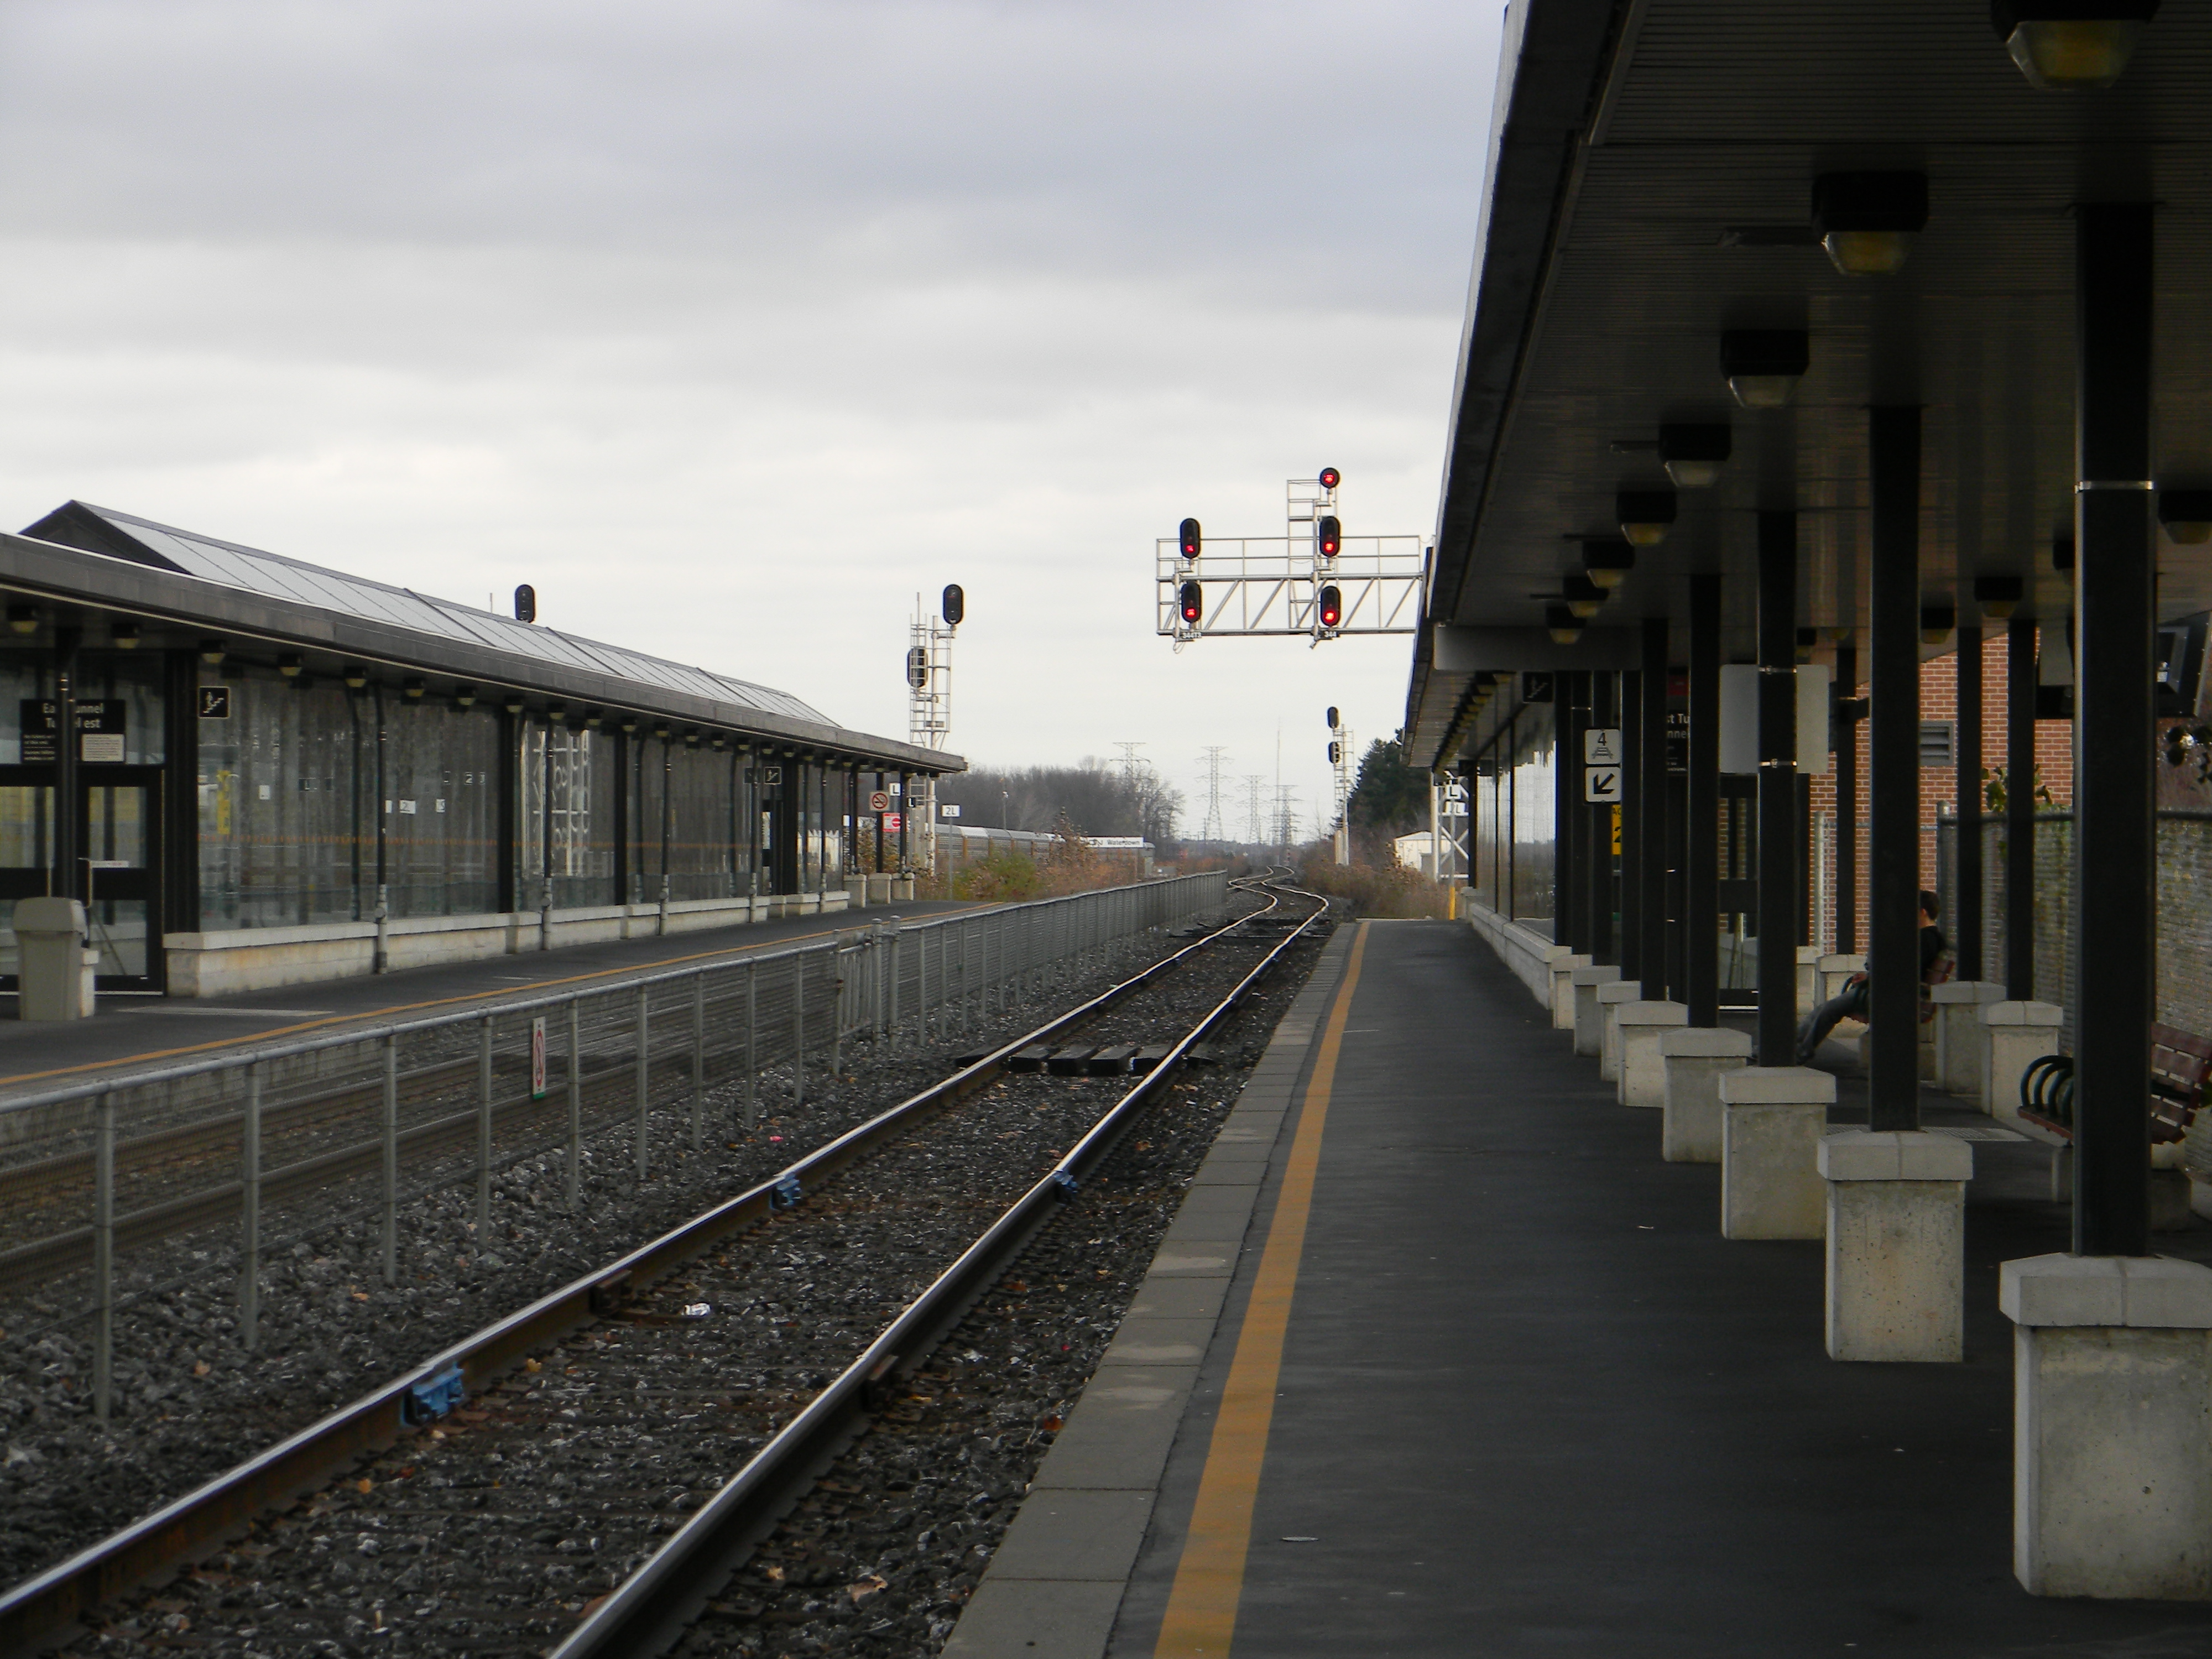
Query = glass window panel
x=439 y=807
x=281 y=793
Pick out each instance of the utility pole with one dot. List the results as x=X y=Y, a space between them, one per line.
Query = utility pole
x=1212 y=827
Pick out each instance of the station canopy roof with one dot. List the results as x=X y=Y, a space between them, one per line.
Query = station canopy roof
x=375 y=619
x=1650 y=187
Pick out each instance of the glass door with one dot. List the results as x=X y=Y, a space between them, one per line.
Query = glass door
x=117 y=864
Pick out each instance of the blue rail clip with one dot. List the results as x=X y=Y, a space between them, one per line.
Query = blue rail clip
x=1068 y=1185
x=784 y=1194
x=432 y=1397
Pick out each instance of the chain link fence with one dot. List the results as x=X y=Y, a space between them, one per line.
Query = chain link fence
x=118 y=1192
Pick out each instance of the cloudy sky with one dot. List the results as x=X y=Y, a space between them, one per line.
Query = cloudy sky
x=731 y=326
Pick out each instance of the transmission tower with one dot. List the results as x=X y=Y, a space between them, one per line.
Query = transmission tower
x=1285 y=816
x=1254 y=826
x=1212 y=828
x=1129 y=763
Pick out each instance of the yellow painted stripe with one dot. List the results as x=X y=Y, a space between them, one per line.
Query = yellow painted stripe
x=1209 y=1579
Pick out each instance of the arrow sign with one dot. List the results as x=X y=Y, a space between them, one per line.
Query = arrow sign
x=1601 y=783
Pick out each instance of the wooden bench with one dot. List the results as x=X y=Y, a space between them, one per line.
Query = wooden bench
x=2180 y=1062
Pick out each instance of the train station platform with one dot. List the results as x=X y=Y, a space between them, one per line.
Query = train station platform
x=1441 y=1357
x=129 y=1030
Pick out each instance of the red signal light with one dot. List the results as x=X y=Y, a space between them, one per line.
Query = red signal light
x=1329 y=536
x=1189 y=538
x=1332 y=607
x=1330 y=478
x=1191 y=602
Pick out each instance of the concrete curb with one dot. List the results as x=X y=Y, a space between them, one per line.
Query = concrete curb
x=1056 y=1582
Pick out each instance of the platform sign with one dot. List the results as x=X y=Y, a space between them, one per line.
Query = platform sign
x=537 y=1058
x=101 y=727
x=1601 y=784
x=947 y=809
x=879 y=801
x=1602 y=747
x=891 y=822
x=215 y=703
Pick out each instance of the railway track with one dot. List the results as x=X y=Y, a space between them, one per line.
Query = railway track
x=582 y=1491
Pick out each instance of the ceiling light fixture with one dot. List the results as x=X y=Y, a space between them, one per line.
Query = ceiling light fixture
x=1763 y=365
x=1563 y=626
x=290 y=667
x=1866 y=221
x=1693 y=454
x=1608 y=561
x=355 y=676
x=2186 y=515
x=212 y=653
x=1997 y=597
x=1583 y=597
x=1937 y=622
x=2071 y=46
x=1644 y=515
x=125 y=635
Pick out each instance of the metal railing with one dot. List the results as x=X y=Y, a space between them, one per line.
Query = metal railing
x=120 y=1191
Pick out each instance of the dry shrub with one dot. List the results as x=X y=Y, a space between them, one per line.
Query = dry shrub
x=1374 y=890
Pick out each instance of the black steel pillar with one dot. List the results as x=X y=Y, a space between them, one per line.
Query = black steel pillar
x=1701 y=885
x=1781 y=905
x=1572 y=899
x=1894 y=768
x=1632 y=824
x=1652 y=809
x=1598 y=821
x=2020 y=809
x=1964 y=924
x=69 y=795
x=1847 y=799
x=2114 y=868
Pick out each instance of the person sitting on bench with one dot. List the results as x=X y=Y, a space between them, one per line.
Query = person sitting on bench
x=1850 y=1003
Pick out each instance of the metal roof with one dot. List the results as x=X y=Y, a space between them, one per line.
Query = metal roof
x=185 y=576
x=1629 y=138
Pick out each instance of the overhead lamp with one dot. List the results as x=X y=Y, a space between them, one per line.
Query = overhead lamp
x=1763 y=365
x=1937 y=622
x=660 y=732
x=691 y=738
x=290 y=667
x=1583 y=597
x=1866 y=221
x=125 y=636
x=1608 y=562
x=1694 y=454
x=515 y=702
x=2071 y=46
x=1997 y=597
x=212 y=653
x=719 y=743
x=464 y=696
x=23 y=618
x=557 y=715
x=593 y=719
x=1644 y=515
x=355 y=676
x=1563 y=626
x=414 y=689
x=2186 y=515
x=630 y=725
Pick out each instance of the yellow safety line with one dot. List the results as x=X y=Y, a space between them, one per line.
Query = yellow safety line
x=522 y=990
x=1201 y=1615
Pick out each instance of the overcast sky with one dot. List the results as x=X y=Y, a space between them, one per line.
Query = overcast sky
x=731 y=326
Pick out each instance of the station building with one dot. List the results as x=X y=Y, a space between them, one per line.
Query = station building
x=283 y=773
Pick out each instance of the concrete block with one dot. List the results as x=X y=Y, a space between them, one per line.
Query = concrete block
x=1010 y=1618
x=1610 y=999
x=856 y=892
x=1563 y=990
x=1590 y=1026
x=1896 y=1244
x=879 y=888
x=1772 y=1118
x=2020 y=1033
x=1642 y=1073
x=1808 y=979
x=1962 y=1041
x=1835 y=969
x=1691 y=1059
x=2111 y=1457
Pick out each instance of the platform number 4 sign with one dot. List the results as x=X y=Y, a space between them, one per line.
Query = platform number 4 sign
x=1601 y=764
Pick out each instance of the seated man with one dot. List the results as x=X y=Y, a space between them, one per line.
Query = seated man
x=1850 y=1003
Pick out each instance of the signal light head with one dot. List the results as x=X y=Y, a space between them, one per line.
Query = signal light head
x=1329 y=536
x=1330 y=478
x=1332 y=607
x=953 y=604
x=1335 y=753
x=1190 y=601
x=1190 y=538
x=1332 y=721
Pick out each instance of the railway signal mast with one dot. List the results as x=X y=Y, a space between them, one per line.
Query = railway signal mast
x=929 y=706
x=1340 y=761
x=1312 y=580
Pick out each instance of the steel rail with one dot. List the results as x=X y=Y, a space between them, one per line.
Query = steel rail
x=44 y=1608
x=649 y=1612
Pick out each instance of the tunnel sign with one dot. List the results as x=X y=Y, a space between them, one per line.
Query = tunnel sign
x=1601 y=783
x=1602 y=747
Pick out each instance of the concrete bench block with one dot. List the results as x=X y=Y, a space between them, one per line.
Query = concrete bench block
x=2111 y=1466
x=1962 y=1041
x=1563 y=989
x=1610 y=999
x=1642 y=1073
x=1808 y=979
x=2018 y=1033
x=1896 y=1244
x=1692 y=1058
x=1589 y=1023
x=1772 y=1118
x=1837 y=967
